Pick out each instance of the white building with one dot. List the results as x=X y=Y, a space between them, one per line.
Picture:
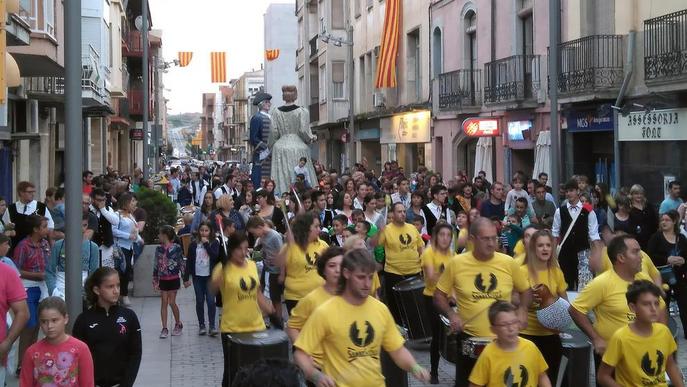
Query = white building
x=281 y=26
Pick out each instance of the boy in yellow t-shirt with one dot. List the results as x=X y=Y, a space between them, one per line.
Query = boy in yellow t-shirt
x=509 y=360
x=641 y=353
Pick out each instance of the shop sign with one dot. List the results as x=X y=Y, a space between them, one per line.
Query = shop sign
x=408 y=128
x=135 y=134
x=590 y=120
x=481 y=127
x=658 y=125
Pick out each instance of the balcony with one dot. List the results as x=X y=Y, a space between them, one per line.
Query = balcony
x=590 y=65
x=125 y=78
x=132 y=44
x=45 y=89
x=313 y=47
x=314 y=110
x=460 y=88
x=512 y=79
x=665 y=48
x=92 y=80
x=135 y=97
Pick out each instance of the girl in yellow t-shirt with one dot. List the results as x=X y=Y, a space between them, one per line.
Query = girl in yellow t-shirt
x=546 y=279
x=299 y=271
x=463 y=243
x=434 y=259
x=238 y=280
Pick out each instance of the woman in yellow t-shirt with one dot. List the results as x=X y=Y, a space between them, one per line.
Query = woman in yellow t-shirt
x=463 y=243
x=434 y=259
x=299 y=271
x=238 y=280
x=546 y=279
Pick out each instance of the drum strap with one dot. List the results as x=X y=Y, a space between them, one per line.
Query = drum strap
x=567 y=232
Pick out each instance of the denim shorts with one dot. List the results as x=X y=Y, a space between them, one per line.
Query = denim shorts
x=33 y=296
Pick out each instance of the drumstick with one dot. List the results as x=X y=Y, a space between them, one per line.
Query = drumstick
x=282 y=205
x=218 y=219
x=298 y=200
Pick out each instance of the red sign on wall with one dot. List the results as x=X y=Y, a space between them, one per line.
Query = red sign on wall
x=481 y=127
x=135 y=134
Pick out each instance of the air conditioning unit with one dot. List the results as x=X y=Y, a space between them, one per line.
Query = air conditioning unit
x=378 y=99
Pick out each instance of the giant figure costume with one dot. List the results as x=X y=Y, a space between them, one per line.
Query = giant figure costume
x=260 y=126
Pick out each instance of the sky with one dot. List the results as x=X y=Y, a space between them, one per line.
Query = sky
x=202 y=26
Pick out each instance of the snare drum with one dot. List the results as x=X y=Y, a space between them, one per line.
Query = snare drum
x=449 y=342
x=473 y=346
x=411 y=306
x=247 y=348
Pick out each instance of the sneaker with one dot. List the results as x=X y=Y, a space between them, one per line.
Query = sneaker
x=213 y=332
x=434 y=379
x=177 y=329
x=125 y=301
x=164 y=333
x=202 y=331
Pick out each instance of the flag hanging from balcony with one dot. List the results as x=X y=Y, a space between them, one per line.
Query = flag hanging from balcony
x=218 y=66
x=271 y=55
x=185 y=58
x=386 y=63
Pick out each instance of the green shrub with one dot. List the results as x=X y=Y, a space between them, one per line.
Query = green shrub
x=160 y=210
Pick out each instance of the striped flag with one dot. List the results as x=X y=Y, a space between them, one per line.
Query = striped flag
x=386 y=64
x=185 y=58
x=218 y=66
x=271 y=55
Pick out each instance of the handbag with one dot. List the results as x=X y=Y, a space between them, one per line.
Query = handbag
x=118 y=256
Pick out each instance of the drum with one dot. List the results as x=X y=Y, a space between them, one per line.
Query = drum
x=411 y=306
x=395 y=376
x=578 y=350
x=473 y=346
x=247 y=348
x=449 y=342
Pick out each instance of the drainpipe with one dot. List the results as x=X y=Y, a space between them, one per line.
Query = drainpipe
x=629 y=69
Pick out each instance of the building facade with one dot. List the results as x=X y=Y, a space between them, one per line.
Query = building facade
x=281 y=26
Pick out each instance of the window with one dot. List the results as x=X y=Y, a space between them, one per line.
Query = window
x=338 y=14
x=437 y=54
x=49 y=9
x=356 y=9
x=471 y=37
x=413 y=66
x=362 y=104
x=323 y=83
x=110 y=45
x=338 y=73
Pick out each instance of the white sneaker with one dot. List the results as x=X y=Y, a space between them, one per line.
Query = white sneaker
x=126 y=301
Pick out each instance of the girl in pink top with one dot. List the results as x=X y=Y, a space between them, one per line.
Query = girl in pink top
x=58 y=359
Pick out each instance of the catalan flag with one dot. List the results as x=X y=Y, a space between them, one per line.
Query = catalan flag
x=386 y=64
x=218 y=66
x=271 y=55
x=185 y=58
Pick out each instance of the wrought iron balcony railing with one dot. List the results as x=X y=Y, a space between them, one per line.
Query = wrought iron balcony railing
x=589 y=64
x=665 y=47
x=44 y=85
x=460 y=88
x=513 y=79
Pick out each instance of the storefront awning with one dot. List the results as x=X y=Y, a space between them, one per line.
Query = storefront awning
x=542 y=155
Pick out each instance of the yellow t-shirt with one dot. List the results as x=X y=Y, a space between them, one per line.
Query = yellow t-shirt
x=519 y=248
x=477 y=284
x=469 y=246
x=376 y=284
x=301 y=270
x=605 y=295
x=400 y=246
x=240 y=296
x=351 y=338
x=437 y=261
x=638 y=360
x=520 y=258
x=305 y=307
x=494 y=366
x=555 y=281
x=648 y=266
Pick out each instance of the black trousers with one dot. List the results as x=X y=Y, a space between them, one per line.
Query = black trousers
x=124 y=276
x=226 y=344
x=437 y=332
x=568 y=261
x=551 y=348
x=680 y=294
x=464 y=363
x=290 y=304
x=390 y=280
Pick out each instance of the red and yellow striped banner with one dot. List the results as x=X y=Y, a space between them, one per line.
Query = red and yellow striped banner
x=386 y=64
x=185 y=58
x=271 y=55
x=218 y=66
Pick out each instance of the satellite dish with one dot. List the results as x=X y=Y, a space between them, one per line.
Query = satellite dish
x=139 y=22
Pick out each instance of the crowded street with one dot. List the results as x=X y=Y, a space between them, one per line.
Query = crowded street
x=343 y=193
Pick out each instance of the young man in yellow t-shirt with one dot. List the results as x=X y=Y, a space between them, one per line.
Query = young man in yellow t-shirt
x=509 y=360
x=350 y=330
x=641 y=353
x=477 y=279
x=605 y=295
x=403 y=246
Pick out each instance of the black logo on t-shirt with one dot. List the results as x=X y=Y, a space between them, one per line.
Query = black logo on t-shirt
x=361 y=337
x=405 y=239
x=441 y=268
x=479 y=283
x=510 y=380
x=312 y=260
x=246 y=287
x=647 y=364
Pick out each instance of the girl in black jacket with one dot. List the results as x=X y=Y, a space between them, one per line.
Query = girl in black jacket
x=202 y=257
x=112 y=332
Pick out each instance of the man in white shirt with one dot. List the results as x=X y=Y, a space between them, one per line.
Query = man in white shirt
x=577 y=232
x=17 y=213
x=403 y=194
x=436 y=209
x=228 y=188
x=198 y=189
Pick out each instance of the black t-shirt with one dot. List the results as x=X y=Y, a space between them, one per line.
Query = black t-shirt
x=489 y=210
